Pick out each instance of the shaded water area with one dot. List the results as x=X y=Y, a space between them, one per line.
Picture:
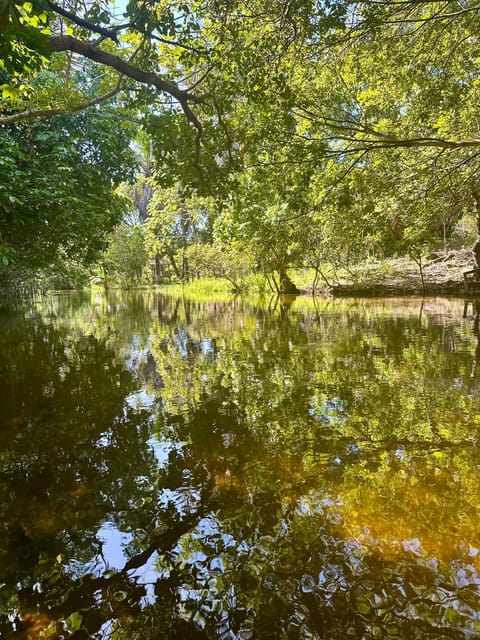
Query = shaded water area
x=220 y=469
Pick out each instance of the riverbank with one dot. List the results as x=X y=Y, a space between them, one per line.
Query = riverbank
x=442 y=275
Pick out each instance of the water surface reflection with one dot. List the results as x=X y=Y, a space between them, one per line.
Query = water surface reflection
x=303 y=469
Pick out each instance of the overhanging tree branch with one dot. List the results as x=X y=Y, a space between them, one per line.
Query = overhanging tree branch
x=87 y=50
x=408 y=143
x=31 y=114
x=103 y=31
x=365 y=137
x=90 y=51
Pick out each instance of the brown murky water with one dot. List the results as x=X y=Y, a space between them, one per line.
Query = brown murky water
x=181 y=469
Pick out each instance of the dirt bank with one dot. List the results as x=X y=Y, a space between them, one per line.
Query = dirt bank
x=442 y=274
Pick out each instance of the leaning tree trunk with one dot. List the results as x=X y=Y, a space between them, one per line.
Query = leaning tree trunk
x=173 y=263
x=476 y=209
x=286 y=285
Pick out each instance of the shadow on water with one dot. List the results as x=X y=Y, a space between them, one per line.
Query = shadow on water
x=172 y=469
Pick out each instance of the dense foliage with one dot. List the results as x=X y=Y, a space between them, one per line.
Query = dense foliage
x=57 y=182
x=321 y=130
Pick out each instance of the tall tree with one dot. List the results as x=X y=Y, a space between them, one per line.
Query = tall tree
x=57 y=187
x=223 y=86
x=176 y=220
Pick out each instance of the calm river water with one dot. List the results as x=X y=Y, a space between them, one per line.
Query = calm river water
x=175 y=469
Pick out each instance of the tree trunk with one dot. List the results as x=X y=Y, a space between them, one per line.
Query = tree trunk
x=476 y=209
x=275 y=283
x=185 y=268
x=175 y=268
x=158 y=268
x=286 y=285
x=269 y=283
x=315 y=282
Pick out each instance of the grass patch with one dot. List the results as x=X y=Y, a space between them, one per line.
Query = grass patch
x=198 y=289
x=207 y=287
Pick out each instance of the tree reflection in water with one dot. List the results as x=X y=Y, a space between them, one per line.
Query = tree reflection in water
x=182 y=470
